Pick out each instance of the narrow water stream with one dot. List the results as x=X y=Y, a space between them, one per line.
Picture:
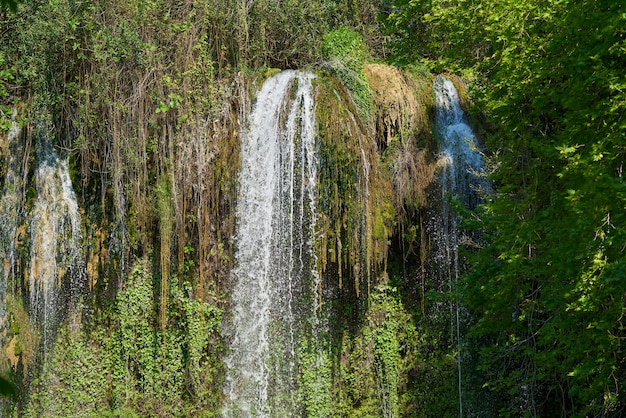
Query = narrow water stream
x=461 y=180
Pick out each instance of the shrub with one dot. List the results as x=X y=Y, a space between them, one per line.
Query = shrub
x=345 y=53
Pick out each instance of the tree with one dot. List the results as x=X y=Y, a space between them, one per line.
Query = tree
x=9 y=4
x=548 y=288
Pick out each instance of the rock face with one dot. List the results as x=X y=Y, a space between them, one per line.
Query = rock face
x=396 y=94
x=300 y=240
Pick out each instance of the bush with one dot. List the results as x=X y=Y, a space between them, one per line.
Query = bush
x=345 y=53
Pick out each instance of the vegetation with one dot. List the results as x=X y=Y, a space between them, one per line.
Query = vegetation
x=147 y=97
x=547 y=289
x=9 y=4
x=346 y=53
x=117 y=361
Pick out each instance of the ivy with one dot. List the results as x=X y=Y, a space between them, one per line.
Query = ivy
x=121 y=363
x=314 y=379
x=387 y=356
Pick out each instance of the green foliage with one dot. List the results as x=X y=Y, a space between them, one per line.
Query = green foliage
x=314 y=379
x=395 y=364
x=156 y=366
x=123 y=364
x=136 y=368
x=286 y=34
x=345 y=54
x=547 y=289
x=440 y=34
x=199 y=326
x=559 y=275
x=346 y=45
x=9 y=4
x=355 y=381
x=387 y=356
x=7 y=76
x=7 y=388
x=76 y=378
x=134 y=90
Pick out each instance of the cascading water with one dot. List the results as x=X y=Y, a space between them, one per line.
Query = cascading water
x=55 y=232
x=275 y=265
x=461 y=179
x=10 y=204
x=464 y=177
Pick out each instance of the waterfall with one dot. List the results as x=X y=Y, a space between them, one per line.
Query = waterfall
x=461 y=179
x=55 y=232
x=458 y=146
x=10 y=204
x=274 y=278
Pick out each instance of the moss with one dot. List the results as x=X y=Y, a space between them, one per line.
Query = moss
x=345 y=54
x=354 y=232
x=371 y=190
x=461 y=88
x=402 y=103
x=270 y=72
x=384 y=218
x=23 y=347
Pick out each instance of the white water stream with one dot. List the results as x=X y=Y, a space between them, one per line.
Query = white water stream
x=274 y=274
x=464 y=178
x=461 y=179
x=10 y=204
x=55 y=234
